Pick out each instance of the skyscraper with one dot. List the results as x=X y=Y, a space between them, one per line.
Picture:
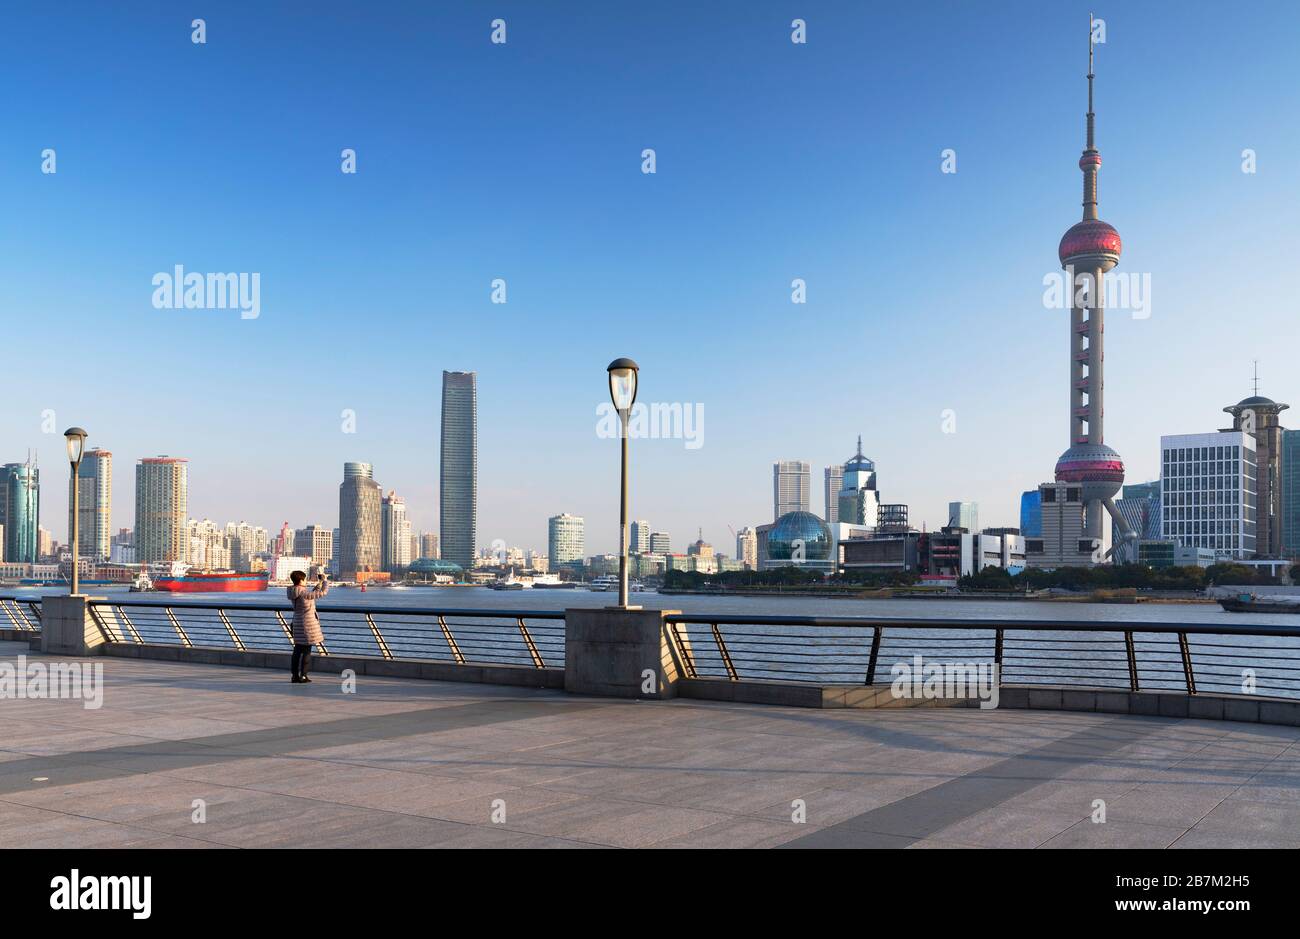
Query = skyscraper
x=565 y=540
x=791 y=487
x=359 y=523
x=95 y=501
x=315 y=542
x=1291 y=493
x=20 y=510
x=640 y=538
x=660 y=543
x=458 y=516
x=161 y=509
x=395 y=534
x=834 y=482
x=747 y=548
x=964 y=515
x=859 y=502
x=1259 y=416
x=1087 y=251
x=429 y=545
x=1209 y=492
x=1031 y=513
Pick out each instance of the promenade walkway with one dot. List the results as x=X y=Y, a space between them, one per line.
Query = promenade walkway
x=406 y=763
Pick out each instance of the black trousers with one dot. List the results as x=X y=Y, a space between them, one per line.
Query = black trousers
x=301 y=659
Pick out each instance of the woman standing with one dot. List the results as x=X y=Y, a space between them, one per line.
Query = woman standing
x=306 y=627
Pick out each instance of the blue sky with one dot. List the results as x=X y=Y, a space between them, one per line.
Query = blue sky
x=523 y=161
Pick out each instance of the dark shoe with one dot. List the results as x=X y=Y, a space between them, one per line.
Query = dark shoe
x=305 y=679
x=296 y=680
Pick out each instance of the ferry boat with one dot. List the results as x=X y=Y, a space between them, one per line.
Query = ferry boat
x=1250 y=603
x=212 y=582
x=604 y=583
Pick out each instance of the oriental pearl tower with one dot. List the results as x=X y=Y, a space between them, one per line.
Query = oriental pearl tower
x=1088 y=250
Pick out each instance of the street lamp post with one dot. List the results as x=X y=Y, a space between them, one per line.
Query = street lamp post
x=622 y=389
x=76 y=440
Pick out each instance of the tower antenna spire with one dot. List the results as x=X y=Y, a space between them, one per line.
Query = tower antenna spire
x=1257 y=378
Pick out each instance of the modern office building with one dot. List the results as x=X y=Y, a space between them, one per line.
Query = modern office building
x=1063 y=540
x=162 y=501
x=1209 y=492
x=964 y=515
x=1140 y=506
x=858 y=502
x=660 y=543
x=566 y=541
x=315 y=542
x=95 y=499
x=1031 y=513
x=429 y=545
x=955 y=552
x=747 y=548
x=1291 y=494
x=834 y=482
x=640 y=537
x=791 y=485
x=458 y=481
x=1088 y=468
x=1259 y=417
x=360 y=527
x=394 y=534
x=20 y=511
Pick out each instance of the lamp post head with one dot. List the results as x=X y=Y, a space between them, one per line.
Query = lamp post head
x=76 y=440
x=622 y=383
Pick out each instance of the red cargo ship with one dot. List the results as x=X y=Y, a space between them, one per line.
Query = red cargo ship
x=214 y=582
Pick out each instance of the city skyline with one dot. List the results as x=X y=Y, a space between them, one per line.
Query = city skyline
x=696 y=300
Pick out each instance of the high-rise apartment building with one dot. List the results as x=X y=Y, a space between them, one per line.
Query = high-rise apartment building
x=640 y=537
x=95 y=505
x=395 y=534
x=161 y=509
x=360 y=528
x=791 y=485
x=315 y=542
x=834 y=482
x=429 y=545
x=747 y=548
x=458 y=478
x=565 y=540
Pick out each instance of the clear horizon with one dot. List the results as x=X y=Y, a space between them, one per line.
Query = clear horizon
x=523 y=162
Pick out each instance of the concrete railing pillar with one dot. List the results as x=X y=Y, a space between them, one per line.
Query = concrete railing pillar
x=620 y=653
x=67 y=627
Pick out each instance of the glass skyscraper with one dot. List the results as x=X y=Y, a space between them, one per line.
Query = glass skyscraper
x=458 y=476
x=359 y=522
x=20 y=511
x=1291 y=493
x=1031 y=514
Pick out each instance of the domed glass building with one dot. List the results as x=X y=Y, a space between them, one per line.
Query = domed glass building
x=800 y=539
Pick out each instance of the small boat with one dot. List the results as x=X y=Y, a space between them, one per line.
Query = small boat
x=604 y=583
x=1250 y=603
x=141 y=583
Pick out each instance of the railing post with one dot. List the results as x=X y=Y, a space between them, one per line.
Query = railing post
x=531 y=646
x=1188 y=671
x=1132 y=660
x=234 y=636
x=451 y=640
x=688 y=654
x=722 y=650
x=875 y=656
x=379 y=637
x=998 y=637
x=176 y=623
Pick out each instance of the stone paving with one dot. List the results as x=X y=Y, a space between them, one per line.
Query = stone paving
x=407 y=763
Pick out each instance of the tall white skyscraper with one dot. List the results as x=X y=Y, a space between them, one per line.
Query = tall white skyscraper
x=95 y=495
x=747 y=548
x=565 y=540
x=791 y=487
x=395 y=534
x=834 y=483
x=640 y=537
x=1209 y=485
x=161 y=509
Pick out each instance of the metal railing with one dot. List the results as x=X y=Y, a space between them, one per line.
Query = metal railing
x=1128 y=656
x=461 y=637
x=20 y=613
